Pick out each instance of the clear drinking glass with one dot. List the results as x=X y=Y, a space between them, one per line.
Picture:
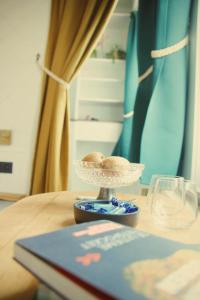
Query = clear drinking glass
x=174 y=202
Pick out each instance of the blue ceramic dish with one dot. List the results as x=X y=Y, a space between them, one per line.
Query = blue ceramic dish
x=115 y=210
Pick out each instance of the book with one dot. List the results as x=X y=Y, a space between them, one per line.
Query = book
x=108 y=260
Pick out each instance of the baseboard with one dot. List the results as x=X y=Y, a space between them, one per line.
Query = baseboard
x=11 y=197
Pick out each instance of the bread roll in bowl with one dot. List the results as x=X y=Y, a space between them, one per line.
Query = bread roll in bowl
x=115 y=165
x=93 y=160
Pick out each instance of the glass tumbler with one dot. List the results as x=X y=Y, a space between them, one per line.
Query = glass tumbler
x=174 y=202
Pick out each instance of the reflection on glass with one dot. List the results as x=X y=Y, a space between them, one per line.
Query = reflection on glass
x=174 y=201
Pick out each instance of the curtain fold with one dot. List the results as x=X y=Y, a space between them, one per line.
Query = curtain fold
x=163 y=130
x=123 y=145
x=75 y=28
x=138 y=79
x=146 y=42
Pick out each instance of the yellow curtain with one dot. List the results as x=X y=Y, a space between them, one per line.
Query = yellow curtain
x=75 y=28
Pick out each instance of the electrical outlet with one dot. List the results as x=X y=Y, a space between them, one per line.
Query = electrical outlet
x=6 y=167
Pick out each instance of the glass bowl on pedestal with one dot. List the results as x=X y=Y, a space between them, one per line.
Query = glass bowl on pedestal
x=106 y=205
x=107 y=179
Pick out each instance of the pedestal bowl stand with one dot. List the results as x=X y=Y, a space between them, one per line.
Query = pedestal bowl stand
x=107 y=180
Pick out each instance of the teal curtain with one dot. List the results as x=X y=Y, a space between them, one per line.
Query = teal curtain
x=137 y=91
x=146 y=36
x=162 y=135
x=131 y=83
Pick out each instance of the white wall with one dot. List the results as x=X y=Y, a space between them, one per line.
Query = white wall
x=191 y=166
x=195 y=170
x=23 y=32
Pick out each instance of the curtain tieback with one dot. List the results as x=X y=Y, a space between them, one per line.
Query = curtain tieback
x=51 y=74
x=171 y=49
x=145 y=74
x=128 y=115
x=164 y=52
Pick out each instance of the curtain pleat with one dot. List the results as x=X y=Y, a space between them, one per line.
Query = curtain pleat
x=163 y=131
x=75 y=28
x=146 y=42
x=158 y=123
x=123 y=146
x=137 y=90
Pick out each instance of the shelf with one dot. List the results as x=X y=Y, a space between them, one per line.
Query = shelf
x=100 y=79
x=103 y=70
x=119 y=21
x=101 y=100
x=96 y=131
x=121 y=14
x=106 y=60
x=125 y=6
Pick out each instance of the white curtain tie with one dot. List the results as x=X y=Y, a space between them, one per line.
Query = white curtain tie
x=145 y=74
x=163 y=52
x=141 y=78
x=51 y=74
x=128 y=115
x=171 y=49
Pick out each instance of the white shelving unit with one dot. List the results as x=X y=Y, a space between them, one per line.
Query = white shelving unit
x=99 y=91
x=97 y=95
x=89 y=131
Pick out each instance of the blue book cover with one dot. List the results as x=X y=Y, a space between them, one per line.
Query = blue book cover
x=118 y=262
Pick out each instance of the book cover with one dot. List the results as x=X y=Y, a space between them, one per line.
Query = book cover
x=113 y=261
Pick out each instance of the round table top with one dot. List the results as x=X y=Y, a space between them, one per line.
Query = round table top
x=47 y=212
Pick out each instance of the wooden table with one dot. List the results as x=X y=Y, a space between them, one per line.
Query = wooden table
x=47 y=212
